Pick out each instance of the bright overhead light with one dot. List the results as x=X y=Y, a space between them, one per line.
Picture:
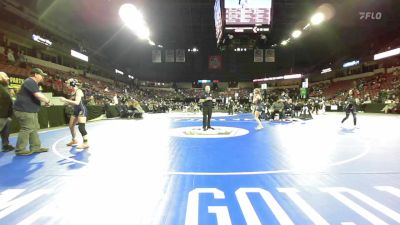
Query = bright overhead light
x=133 y=19
x=317 y=18
x=119 y=72
x=151 y=43
x=352 y=63
x=292 y=76
x=327 y=70
x=160 y=46
x=296 y=34
x=387 y=54
x=79 y=55
x=285 y=77
x=39 y=39
x=284 y=42
x=143 y=33
x=268 y=79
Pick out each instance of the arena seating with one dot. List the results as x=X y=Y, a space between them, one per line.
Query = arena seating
x=155 y=98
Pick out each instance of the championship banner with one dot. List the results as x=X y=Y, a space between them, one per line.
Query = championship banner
x=258 y=55
x=169 y=55
x=215 y=62
x=156 y=56
x=269 y=55
x=180 y=55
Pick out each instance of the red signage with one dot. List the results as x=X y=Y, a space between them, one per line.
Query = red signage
x=215 y=62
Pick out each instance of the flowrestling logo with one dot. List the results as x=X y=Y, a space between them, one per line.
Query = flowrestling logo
x=370 y=15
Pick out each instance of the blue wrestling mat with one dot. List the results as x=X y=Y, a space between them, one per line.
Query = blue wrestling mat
x=164 y=170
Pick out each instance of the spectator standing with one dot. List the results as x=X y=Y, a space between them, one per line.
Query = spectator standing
x=5 y=113
x=26 y=108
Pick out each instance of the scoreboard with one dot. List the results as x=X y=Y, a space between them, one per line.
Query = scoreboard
x=247 y=16
x=243 y=16
x=247 y=12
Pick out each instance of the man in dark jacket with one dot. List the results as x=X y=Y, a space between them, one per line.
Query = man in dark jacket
x=6 y=111
x=207 y=100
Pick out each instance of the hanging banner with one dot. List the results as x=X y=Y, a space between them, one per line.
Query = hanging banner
x=269 y=55
x=258 y=55
x=169 y=55
x=156 y=56
x=180 y=55
x=215 y=62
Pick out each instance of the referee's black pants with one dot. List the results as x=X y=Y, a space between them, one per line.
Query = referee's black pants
x=354 y=113
x=207 y=112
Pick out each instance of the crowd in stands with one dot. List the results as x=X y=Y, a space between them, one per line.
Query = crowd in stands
x=380 y=88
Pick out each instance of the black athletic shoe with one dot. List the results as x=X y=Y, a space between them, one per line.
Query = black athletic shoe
x=7 y=148
x=211 y=128
x=204 y=129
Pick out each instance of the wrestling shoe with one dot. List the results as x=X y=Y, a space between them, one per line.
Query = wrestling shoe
x=83 y=146
x=259 y=127
x=73 y=143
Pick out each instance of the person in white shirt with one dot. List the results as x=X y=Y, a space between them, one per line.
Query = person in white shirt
x=115 y=99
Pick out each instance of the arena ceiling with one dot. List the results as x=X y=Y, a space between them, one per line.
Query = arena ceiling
x=189 y=23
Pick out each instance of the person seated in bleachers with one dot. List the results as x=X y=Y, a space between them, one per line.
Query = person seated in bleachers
x=305 y=112
x=2 y=51
x=10 y=57
x=22 y=59
x=277 y=108
x=115 y=99
x=134 y=105
x=289 y=108
x=91 y=101
x=297 y=106
x=390 y=105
